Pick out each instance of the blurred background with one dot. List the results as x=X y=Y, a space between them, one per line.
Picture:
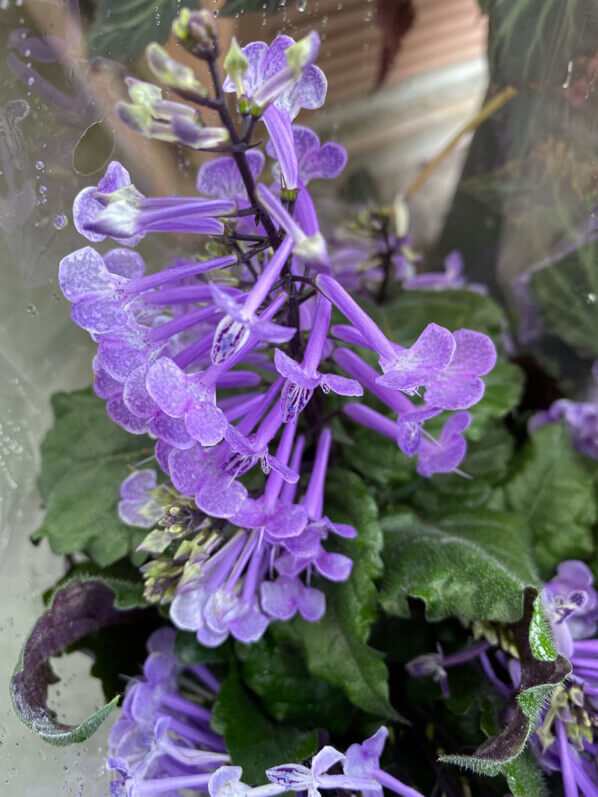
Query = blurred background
x=515 y=195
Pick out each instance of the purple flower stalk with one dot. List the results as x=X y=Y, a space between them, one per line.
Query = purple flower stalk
x=216 y=358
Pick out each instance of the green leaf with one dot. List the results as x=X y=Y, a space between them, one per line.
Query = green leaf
x=538 y=679
x=81 y=606
x=335 y=647
x=552 y=490
x=85 y=457
x=233 y=8
x=524 y=777
x=566 y=293
x=405 y=317
x=278 y=675
x=253 y=741
x=123 y=28
x=504 y=387
x=473 y=563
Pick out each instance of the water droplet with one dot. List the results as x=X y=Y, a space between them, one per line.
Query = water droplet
x=4 y=4
x=32 y=310
x=60 y=221
x=30 y=81
x=43 y=189
x=301 y=5
x=157 y=16
x=367 y=17
x=39 y=165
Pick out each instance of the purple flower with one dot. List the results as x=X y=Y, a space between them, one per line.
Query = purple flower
x=301 y=380
x=162 y=736
x=137 y=506
x=452 y=278
x=226 y=782
x=581 y=421
x=571 y=604
x=313 y=161
x=290 y=80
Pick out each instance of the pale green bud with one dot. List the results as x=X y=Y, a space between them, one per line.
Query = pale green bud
x=235 y=65
x=303 y=52
x=172 y=73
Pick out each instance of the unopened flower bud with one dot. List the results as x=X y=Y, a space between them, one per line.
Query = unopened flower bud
x=172 y=73
x=302 y=53
x=192 y=27
x=235 y=64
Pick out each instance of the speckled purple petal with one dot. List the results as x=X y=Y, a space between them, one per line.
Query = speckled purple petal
x=413 y=367
x=456 y=393
x=287 y=522
x=206 y=423
x=474 y=353
x=325 y=163
x=104 y=385
x=162 y=451
x=276 y=59
x=409 y=436
x=125 y=263
x=308 y=92
x=187 y=469
x=99 y=315
x=171 y=430
x=136 y=396
x=120 y=414
x=275 y=333
x=167 y=385
x=220 y=496
x=441 y=459
x=118 y=359
x=83 y=274
x=221 y=177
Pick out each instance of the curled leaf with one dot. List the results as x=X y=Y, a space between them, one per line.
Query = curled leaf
x=538 y=679
x=78 y=608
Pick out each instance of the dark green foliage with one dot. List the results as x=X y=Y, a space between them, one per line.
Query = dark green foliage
x=85 y=457
x=254 y=741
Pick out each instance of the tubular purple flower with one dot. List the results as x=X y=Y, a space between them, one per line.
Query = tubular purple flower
x=280 y=131
x=301 y=380
x=310 y=249
x=233 y=330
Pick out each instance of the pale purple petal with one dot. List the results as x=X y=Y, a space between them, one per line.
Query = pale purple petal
x=311 y=604
x=326 y=163
x=287 y=522
x=171 y=430
x=186 y=468
x=334 y=566
x=124 y=263
x=279 y=598
x=119 y=413
x=308 y=92
x=249 y=627
x=83 y=273
x=220 y=496
x=136 y=396
x=475 y=353
x=206 y=423
x=341 y=385
x=186 y=610
x=221 y=177
x=325 y=759
x=454 y=393
x=167 y=385
x=99 y=316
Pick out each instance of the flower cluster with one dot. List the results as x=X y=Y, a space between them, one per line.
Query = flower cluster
x=252 y=316
x=579 y=417
x=162 y=743
x=566 y=738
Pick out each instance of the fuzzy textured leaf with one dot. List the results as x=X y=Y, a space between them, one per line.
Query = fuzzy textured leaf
x=85 y=457
x=83 y=605
x=336 y=646
x=123 y=28
x=253 y=741
x=278 y=675
x=538 y=679
x=474 y=563
x=552 y=490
